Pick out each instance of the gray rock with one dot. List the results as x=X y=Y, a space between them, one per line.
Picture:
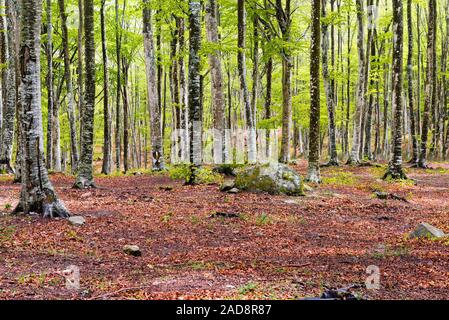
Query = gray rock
x=77 y=220
x=132 y=250
x=227 y=185
x=273 y=178
x=234 y=190
x=425 y=230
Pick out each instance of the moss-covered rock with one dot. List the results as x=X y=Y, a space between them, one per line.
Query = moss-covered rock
x=274 y=178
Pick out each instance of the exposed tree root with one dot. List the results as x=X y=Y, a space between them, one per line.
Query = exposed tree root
x=83 y=183
x=45 y=204
x=395 y=173
x=331 y=163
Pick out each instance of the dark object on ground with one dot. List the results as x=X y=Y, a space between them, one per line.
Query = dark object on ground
x=389 y=196
x=227 y=185
x=224 y=215
x=338 y=294
x=166 y=188
x=226 y=169
x=132 y=250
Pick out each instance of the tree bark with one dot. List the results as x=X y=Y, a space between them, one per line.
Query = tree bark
x=218 y=101
x=313 y=173
x=107 y=125
x=354 y=157
x=85 y=178
x=153 y=97
x=68 y=79
x=37 y=194
x=241 y=61
x=9 y=112
x=430 y=91
x=194 y=86
x=395 y=166
x=333 y=161
x=411 y=101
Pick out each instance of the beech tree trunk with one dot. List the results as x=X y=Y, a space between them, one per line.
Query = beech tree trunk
x=241 y=61
x=411 y=101
x=354 y=157
x=395 y=166
x=194 y=85
x=330 y=101
x=313 y=173
x=153 y=97
x=218 y=101
x=68 y=79
x=107 y=126
x=430 y=87
x=37 y=194
x=84 y=178
x=9 y=109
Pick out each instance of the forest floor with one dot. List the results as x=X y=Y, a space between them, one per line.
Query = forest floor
x=279 y=247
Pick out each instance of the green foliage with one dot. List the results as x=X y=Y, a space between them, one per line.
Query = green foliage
x=345 y=178
x=248 y=288
x=203 y=175
x=6 y=234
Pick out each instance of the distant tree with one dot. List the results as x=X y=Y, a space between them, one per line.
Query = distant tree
x=313 y=173
x=194 y=86
x=153 y=97
x=107 y=125
x=241 y=62
x=68 y=81
x=431 y=78
x=84 y=177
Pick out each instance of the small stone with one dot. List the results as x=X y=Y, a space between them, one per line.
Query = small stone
x=234 y=190
x=425 y=230
x=77 y=220
x=132 y=250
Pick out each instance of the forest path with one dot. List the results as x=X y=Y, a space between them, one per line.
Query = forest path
x=279 y=247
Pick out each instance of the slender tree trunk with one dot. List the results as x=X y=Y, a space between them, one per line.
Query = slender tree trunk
x=194 y=85
x=241 y=61
x=107 y=125
x=218 y=101
x=9 y=112
x=68 y=79
x=37 y=193
x=333 y=161
x=153 y=97
x=269 y=77
x=284 y=21
x=50 y=93
x=313 y=173
x=118 y=39
x=430 y=91
x=395 y=166
x=85 y=178
x=354 y=157
x=411 y=101
x=80 y=53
